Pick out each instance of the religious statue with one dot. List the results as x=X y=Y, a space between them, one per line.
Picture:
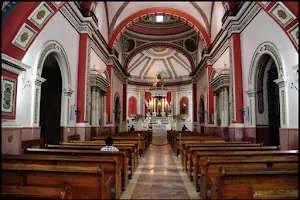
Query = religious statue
x=155 y=81
x=158 y=80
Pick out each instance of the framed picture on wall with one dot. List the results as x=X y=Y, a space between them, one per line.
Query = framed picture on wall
x=8 y=96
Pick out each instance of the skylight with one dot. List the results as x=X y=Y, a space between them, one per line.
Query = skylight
x=159 y=18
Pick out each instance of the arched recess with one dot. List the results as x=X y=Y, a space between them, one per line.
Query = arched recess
x=266 y=69
x=56 y=49
x=184 y=106
x=132 y=106
x=117 y=111
x=196 y=24
x=147 y=46
x=201 y=113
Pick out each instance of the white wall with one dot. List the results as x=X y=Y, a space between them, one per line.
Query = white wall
x=101 y=15
x=222 y=61
x=60 y=30
x=95 y=61
x=262 y=29
x=202 y=89
x=216 y=22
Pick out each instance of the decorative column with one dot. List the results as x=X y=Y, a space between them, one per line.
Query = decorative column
x=163 y=105
x=195 y=102
x=94 y=107
x=82 y=103
x=97 y=106
x=226 y=106
x=236 y=61
x=109 y=95
x=104 y=109
x=124 y=102
x=210 y=96
x=215 y=109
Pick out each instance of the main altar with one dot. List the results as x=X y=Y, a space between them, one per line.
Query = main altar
x=158 y=115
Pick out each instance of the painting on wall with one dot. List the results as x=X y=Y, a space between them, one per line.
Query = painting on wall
x=8 y=96
x=24 y=37
x=184 y=106
x=282 y=14
x=294 y=34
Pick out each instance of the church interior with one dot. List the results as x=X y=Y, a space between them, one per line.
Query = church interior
x=200 y=98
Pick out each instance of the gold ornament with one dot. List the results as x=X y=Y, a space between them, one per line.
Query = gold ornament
x=159 y=48
x=24 y=37
x=41 y=14
x=281 y=14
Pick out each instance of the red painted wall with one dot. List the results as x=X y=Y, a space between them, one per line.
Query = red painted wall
x=15 y=77
x=108 y=95
x=210 y=96
x=125 y=101
x=132 y=106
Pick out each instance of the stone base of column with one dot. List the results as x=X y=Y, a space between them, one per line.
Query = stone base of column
x=103 y=131
x=262 y=134
x=250 y=132
x=289 y=138
x=210 y=129
x=235 y=133
x=84 y=131
x=223 y=131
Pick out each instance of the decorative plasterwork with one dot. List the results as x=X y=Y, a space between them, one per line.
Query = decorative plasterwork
x=41 y=14
x=99 y=81
x=12 y=65
x=282 y=14
x=37 y=80
x=294 y=34
x=265 y=3
x=83 y=25
x=222 y=80
x=251 y=93
x=24 y=37
x=57 y=3
x=8 y=96
x=282 y=82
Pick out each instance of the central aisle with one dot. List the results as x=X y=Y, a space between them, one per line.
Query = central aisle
x=160 y=175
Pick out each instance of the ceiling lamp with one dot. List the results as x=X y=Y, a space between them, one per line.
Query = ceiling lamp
x=159 y=18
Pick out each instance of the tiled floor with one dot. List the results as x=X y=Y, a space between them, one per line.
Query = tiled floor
x=160 y=175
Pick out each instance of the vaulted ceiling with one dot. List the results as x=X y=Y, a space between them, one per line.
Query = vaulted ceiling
x=169 y=47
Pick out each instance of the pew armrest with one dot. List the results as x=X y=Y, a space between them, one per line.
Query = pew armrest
x=214 y=188
x=107 y=187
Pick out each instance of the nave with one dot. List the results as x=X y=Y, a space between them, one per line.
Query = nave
x=160 y=174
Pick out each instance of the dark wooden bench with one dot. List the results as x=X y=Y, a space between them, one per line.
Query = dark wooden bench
x=32 y=143
x=272 y=194
x=187 y=147
x=111 y=167
x=234 y=183
x=34 y=192
x=211 y=167
x=200 y=159
x=199 y=150
x=133 y=145
x=129 y=152
x=122 y=160
x=86 y=182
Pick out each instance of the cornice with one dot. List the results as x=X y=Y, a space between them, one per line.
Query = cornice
x=99 y=81
x=222 y=80
x=13 y=65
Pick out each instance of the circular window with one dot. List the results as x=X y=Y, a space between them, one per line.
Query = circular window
x=128 y=45
x=190 y=45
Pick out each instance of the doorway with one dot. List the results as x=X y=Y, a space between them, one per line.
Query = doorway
x=273 y=106
x=202 y=115
x=117 y=114
x=50 y=103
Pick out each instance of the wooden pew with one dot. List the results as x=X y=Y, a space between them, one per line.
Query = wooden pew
x=32 y=143
x=127 y=149
x=272 y=194
x=86 y=182
x=200 y=158
x=211 y=167
x=87 y=154
x=111 y=167
x=74 y=137
x=234 y=183
x=199 y=150
x=34 y=192
x=187 y=146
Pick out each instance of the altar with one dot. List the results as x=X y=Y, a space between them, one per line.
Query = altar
x=158 y=127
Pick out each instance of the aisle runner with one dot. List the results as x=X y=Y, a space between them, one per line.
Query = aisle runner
x=160 y=175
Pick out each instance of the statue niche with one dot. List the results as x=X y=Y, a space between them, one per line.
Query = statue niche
x=184 y=106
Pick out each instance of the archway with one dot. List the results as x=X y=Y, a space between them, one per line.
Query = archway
x=117 y=112
x=201 y=114
x=50 y=103
x=268 y=102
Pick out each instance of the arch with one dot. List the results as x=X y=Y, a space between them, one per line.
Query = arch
x=117 y=97
x=184 y=105
x=56 y=49
x=149 y=45
x=132 y=106
x=201 y=110
x=265 y=48
x=60 y=55
x=136 y=15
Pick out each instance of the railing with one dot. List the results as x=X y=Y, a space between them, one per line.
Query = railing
x=233 y=11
